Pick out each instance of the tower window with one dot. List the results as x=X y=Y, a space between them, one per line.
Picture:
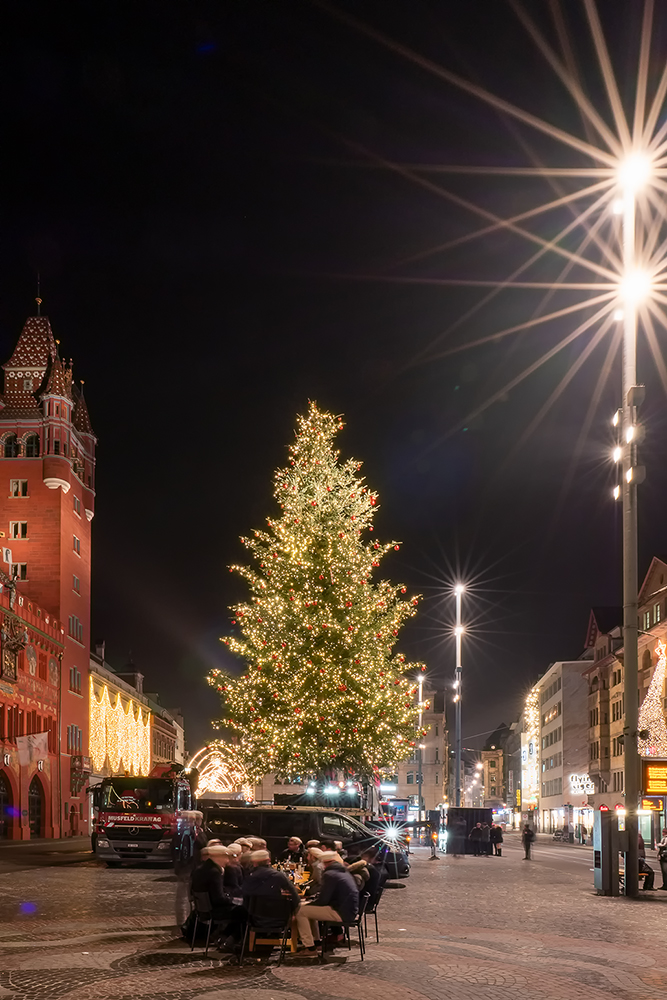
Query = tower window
x=56 y=447
x=76 y=584
x=18 y=487
x=11 y=446
x=75 y=628
x=77 y=505
x=19 y=570
x=27 y=384
x=76 y=544
x=32 y=446
x=18 y=529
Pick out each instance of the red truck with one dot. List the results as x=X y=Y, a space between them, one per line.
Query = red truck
x=144 y=819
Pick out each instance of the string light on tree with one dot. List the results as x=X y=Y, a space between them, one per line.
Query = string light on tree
x=651 y=718
x=323 y=688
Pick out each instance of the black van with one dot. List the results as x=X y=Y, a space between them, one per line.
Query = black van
x=275 y=825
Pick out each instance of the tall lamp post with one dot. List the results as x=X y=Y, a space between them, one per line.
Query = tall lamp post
x=458 y=632
x=420 y=749
x=633 y=173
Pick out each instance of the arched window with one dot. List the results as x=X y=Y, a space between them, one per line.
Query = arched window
x=32 y=446
x=11 y=446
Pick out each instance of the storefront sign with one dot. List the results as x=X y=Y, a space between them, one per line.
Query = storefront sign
x=581 y=784
x=604 y=808
x=654 y=777
x=655 y=804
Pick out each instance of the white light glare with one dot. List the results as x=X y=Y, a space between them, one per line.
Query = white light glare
x=617 y=492
x=616 y=418
x=619 y=315
x=634 y=171
x=617 y=206
x=456 y=697
x=628 y=476
x=635 y=286
x=459 y=588
x=459 y=630
x=629 y=434
x=617 y=454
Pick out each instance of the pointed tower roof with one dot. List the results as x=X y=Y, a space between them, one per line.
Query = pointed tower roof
x=36 y=345
x=59 y=381
x=80 y=415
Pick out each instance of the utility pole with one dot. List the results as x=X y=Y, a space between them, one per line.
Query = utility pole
x=458 y=685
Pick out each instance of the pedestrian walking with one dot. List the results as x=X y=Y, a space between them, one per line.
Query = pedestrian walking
x=662 y=857
x=475 y=838
x=527 y=838
x=641 y=846
x=584 y=834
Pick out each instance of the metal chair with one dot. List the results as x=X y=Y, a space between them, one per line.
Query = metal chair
x=275 y=914
x=203 y=913
x=372 y=911
x=358 y=922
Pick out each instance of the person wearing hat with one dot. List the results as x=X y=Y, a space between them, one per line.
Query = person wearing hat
x=233 y=874
x=244 y=844
x=294 y=851
x=336 y=903
x=265 y=881
x=314 y=868
x=209 y=877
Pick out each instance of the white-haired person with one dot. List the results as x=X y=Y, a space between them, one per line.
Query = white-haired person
x=264 y=881
x=337 y=902
x=209 y=877
x=233 y=878
x=294 y=851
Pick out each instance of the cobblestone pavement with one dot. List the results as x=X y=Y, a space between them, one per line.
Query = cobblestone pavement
x=457 y=928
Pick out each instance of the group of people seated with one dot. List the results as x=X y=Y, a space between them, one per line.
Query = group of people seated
x=233 y=875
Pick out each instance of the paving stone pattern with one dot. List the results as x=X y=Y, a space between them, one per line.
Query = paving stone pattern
x=459 y=928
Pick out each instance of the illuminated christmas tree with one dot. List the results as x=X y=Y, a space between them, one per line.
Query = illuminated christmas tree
x=323 y=689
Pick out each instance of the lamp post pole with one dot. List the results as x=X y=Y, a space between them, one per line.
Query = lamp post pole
x=458 y=632
x=420 y=752
x=630 y=400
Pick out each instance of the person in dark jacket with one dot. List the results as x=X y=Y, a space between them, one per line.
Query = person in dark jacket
x=527 y=838
x=337 y=902
x=486 y=840
x=264 y=880
x=475 y=838
x=209 y=877
x=496 y=838
x=233 y=877
x=293 y=851
x=376 y=875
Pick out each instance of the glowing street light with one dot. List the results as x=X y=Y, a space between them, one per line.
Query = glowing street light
x=635 y=287
x=634 y=172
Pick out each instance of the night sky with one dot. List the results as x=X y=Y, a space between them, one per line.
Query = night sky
x=206 y=191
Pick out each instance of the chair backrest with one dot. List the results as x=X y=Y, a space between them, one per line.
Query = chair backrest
x=364 y=899
x=374 y=903
x=202 y=902
x=269 y=911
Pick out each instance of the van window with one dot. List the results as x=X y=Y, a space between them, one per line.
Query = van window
x=332 y=826
x=349 y=829
x=228 y=824
x=285 y=824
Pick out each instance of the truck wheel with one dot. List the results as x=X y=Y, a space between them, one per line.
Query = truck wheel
x=113 y=864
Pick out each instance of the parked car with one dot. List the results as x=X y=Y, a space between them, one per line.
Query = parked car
x=275 y=825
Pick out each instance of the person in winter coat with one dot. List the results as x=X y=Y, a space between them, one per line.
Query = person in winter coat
x=475 y=838
x=642 y=846
x=358 y=869
x=233 y=876
x=293 y=851
x=661 y=847
x=209 y=877
x=337 y=902
x=486 y=840
x=527 y=838
x=496 y=838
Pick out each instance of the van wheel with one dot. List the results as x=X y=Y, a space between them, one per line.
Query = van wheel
x=113 y=864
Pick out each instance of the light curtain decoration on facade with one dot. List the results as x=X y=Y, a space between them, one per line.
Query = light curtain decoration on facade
x=121 y=735
x=651 y=715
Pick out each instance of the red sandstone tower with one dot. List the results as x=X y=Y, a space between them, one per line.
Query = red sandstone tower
x=47 y=491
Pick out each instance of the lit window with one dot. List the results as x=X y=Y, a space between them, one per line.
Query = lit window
x=18 y=529
x=19 y=570
x=656 y=614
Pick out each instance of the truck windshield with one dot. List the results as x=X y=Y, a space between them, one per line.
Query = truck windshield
x=144 y=795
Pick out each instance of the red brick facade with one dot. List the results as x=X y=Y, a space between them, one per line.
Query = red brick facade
x=47 y=469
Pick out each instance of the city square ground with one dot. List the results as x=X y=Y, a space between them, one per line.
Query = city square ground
x=456 y=928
